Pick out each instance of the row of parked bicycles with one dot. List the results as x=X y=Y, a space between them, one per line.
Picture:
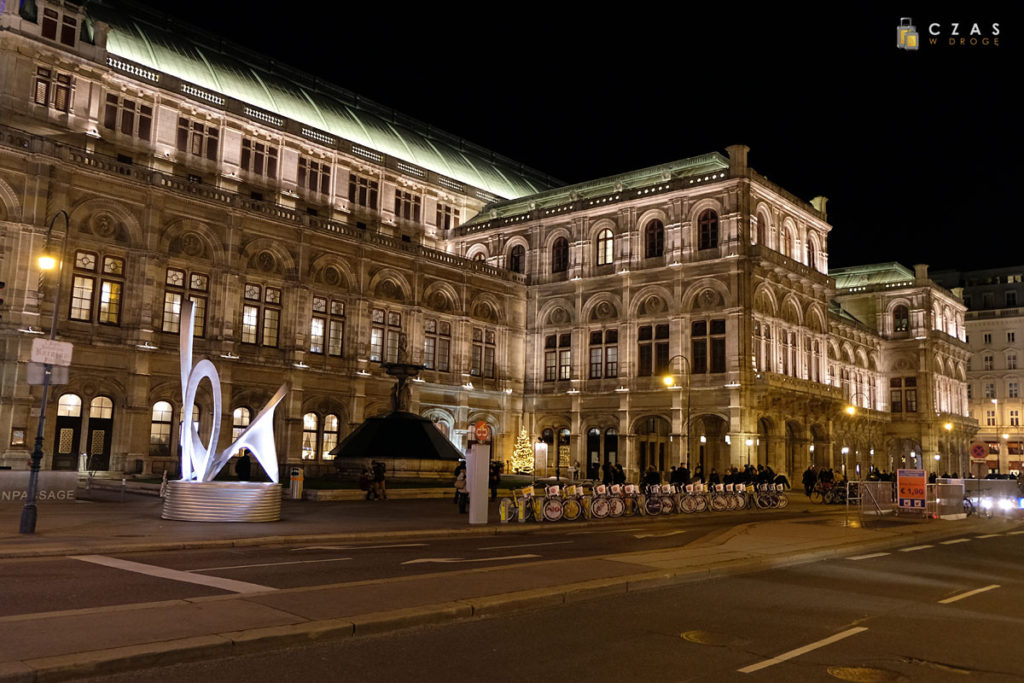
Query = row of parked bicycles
x=829 y=492
x=597 y=501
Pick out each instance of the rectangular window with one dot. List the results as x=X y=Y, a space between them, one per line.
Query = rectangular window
x=316 y=334
x=250 y=322
x=81 y=298
x=68 y=31
x=558 y=357
x=482 y=353
x=987 y=337
x=1011 y=337
x=407 y=205
x=52 y=89
x=362 y=191
x=699 y=346
x=50 y=18
x=988 y=362
x=652 y=350
x=436 y=344
x=179 y=285
x=1012 y=390
x=1015 y=418
x=62 y=93
x=896 y=400
x=336 y=329
x=128 y=117
x=315 y=175
x=42 y=89
x=1011 y=361
x=110 y=303
x=910 y=396
x=271 y=326
x=259 y=158
x=596 y=362
x=990 y=418
x=111 y=286
x=384 y=338
x=447 y=217
x=261 y=323
x=990 y=390
x=1011 y=299
x=198 y=139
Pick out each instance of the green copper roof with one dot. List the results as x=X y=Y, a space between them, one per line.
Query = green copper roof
x=870 y=275
x=159 y=43
x=609 y=187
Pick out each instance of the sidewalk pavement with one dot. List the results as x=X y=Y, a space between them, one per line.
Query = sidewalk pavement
x=61 y=645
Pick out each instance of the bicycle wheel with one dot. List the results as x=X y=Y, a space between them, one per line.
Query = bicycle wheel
x=572 y=509
x=816 y=497
x=782 y=500
x=616 y=507
x=506 y=509
x=701 y=502
x=719 y=503
x=552 y=509
x=688 y=504
x=763 y=501
x=668 y=505
x=830 y=497
x=651 y=505
x=600 y=508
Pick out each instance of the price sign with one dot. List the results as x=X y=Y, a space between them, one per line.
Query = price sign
x=911 y=487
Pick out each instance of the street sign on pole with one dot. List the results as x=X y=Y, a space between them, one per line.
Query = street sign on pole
x=51 y=352
x=911 y=485
x=35 y=373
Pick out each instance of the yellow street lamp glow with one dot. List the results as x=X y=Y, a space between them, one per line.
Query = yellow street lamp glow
x=669 y=380
x=851 y=409
x=948 y=426
x=47 y=262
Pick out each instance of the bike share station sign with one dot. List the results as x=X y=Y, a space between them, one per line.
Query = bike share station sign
x=912 y=488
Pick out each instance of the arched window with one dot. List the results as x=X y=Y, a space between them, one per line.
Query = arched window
x=517 y=259
x=762 y=230
x=330 y=439
x=787 y=242
x=654 y=239
x=101 y=408
x=239 y=421
x=310 y=424
x=811 y=256
x=160 y=429
x=560 y=255
x=901 y=320
x=605 y=244
x=69 y=405
x=707 y=227
x=479 y=256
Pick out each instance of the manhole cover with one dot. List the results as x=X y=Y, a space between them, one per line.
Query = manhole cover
x=709 y=638
x=863 y=674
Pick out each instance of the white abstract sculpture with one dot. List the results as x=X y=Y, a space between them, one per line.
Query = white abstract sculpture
x=199 y=461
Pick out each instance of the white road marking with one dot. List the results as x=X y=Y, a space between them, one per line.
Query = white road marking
x=523 y=545
x=1014 y=533
x=955 y=540
x=968 y=594
x=359 y=547
x=915 y=547
x=456 y=560
x=268 y=564
x=988 y=536
x=607 y=531
x=802 y=650
x=660 y=534
x=174 y=574
x=867 y=557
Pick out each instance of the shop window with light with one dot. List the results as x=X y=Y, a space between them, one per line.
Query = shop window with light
x=385 y=335
x=363 y=191
x=482 y=353
x=707 y=230
x=314 y=175
x=53 y=89
x=261 y=315
x=259 y=158
x=604 y=354
x=160 y=429
x=437 y=342
x=560 y=255
x=652 y=350
x=180 y=285
x=408 y=205
x=707 y=346
x=605 y=247
x=557 y=357
x=198 y=139
x=97 y=288
x=517 y=259
x=128 y=116
x=654 y=239
x=446 y=217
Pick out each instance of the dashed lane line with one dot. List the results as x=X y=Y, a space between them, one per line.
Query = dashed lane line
x=988 y=536
x=802 y=650
x=523 y=545
x=968 y=594
x=660 y=534
x=1014 y=533
x=174 y=574
x=358 y=547
x=605 y=531
x=955 y=540
x=867 y=557
x=915 y=547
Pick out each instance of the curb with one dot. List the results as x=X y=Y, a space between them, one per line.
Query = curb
x=227 y=644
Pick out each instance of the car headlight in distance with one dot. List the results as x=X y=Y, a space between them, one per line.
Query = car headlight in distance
x=1005 y=504
x=986 y=503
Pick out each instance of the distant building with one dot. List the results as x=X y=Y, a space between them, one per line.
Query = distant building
x=315 y=229
x=995 y=329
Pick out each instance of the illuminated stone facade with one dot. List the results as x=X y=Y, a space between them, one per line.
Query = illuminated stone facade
x=314 y=229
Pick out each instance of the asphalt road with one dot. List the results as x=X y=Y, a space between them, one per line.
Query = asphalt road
x=948 y=611
x=33 y=585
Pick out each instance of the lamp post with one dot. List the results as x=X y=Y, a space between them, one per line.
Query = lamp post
x=670 y=382
x=47 y=261
x=949 y=445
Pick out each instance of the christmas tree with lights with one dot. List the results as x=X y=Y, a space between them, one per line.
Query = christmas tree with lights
x=522 y=453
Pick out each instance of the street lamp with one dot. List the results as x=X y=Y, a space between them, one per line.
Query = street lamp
x=46 y=262
x=670 y=382
x=750 y=442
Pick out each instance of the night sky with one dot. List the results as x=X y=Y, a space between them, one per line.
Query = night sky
x=915 y=150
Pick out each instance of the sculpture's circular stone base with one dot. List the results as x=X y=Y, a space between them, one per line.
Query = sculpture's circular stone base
x=222 y=501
